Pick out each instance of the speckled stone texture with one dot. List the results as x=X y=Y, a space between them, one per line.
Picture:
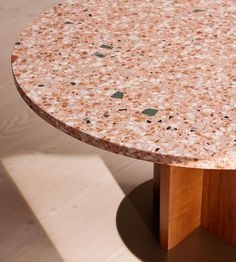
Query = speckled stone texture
x=153 y=80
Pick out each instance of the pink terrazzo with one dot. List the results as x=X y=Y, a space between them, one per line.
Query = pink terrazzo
x=153 y=80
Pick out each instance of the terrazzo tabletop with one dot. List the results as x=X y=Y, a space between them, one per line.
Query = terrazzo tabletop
x=153 y=80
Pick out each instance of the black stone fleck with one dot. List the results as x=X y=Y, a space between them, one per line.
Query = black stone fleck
x=72 y=83
x=175 y=129
x=193 y=129
x=170 y=117
x=168 y=128
x=197 y=10
x=226 y=117
x=68 y=23
x=157 y=149
x=90 y=15
x=40 y=85
x=149 y=121
x=122 y=109
x=87 y=121
x=17 y=43
x=160 y=121
x=106 y=115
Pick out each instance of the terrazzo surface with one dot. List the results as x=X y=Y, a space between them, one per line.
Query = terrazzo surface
x=153 y=80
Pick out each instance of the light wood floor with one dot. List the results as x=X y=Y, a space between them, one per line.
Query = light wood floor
x=35 y=159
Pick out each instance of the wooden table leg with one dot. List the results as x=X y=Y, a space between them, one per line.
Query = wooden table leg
x=219 y=203
x=180 y=202
x=193 y=197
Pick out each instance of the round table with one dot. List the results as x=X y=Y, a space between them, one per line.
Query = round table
x=154 y=80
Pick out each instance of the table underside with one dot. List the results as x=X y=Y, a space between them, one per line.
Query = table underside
x=189 y=198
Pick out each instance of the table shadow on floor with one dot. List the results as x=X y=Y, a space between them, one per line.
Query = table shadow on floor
x=134 y=222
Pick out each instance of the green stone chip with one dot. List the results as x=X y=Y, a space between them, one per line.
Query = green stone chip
x=106 y=46
x=149 y=112
x=99 y=55
x=118 y=94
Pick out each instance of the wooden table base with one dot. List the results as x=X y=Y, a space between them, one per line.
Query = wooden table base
x=195 y=197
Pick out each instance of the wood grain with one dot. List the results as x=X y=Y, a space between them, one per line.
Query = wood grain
x=76 y=203
x=180 y=202
x=219 y=203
